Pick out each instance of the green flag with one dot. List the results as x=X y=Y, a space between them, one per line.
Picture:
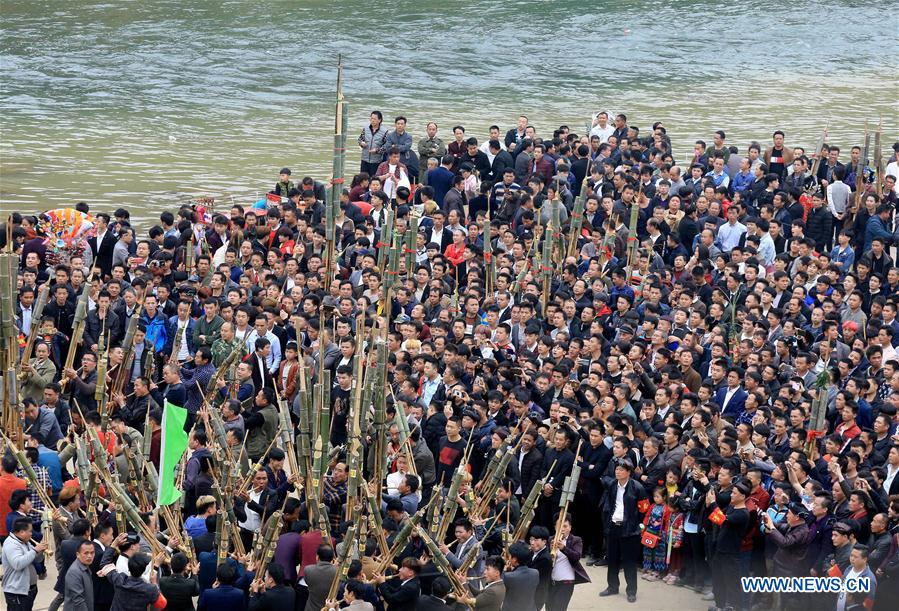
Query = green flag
x=174 y=443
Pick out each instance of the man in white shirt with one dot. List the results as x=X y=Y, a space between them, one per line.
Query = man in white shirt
x=601 y=127
x=624 y=529
x=858 y=568
x=563 y=575
x=767 y=249
x=892 y=169
x=730 y=232
x=256 y=504
x=129 y=548
x=494 y=135
x=892 y=469
x=179 y=324
x=260 y=329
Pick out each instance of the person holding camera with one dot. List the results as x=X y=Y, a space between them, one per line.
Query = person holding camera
x=791 y=537
x=733 y=523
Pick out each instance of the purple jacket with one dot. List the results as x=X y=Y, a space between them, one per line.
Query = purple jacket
x=574 y=550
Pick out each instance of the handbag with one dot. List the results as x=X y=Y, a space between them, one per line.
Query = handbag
x=649 y=540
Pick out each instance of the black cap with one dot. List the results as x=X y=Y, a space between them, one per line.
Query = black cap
x=842 y=527
x=797 y=509
x=471 y=414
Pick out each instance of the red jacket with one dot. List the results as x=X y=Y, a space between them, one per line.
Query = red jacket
x=9 y=483
x=455 y=254
x=309 y=543
x=848 y=431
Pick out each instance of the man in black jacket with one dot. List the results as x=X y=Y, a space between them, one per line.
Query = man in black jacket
x=580 y=167
x=733 y=526
x=477 y=158
x=277 y=595
x=530 y=461
x=521 y=581
x=624 y=501
x=102 y=321
x=557 y=463
x=652 y=469
x=541 y=562
x=502 y=160
x=62 y=310
x=103 y=590
x=401 y=592
x=595 y=457
x=102 y=245
x=818 y=224
x=436 y=600
x=178 y=588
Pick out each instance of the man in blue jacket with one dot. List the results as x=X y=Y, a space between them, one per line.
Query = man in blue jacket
x=223 y=596
x=878 y=226
x=441 y=179
x=731 y=398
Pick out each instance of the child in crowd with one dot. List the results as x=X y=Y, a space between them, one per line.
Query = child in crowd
x=656 y=523
x=675 y=541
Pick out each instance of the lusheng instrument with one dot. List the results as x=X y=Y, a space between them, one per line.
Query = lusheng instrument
x=569 y=489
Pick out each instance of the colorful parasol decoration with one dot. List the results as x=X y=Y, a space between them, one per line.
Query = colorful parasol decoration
x=204 y=208
x=66 y=228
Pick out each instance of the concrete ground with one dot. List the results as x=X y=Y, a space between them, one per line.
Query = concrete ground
x=650 y=596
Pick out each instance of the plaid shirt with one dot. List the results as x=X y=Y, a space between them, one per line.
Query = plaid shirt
x=43 y=478
x=334 y=497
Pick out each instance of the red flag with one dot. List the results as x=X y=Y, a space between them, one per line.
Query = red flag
x=643 y=506
x=717 y=517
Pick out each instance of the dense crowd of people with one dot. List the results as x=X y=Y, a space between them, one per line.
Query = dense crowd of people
x=723 y=374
